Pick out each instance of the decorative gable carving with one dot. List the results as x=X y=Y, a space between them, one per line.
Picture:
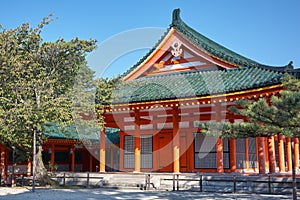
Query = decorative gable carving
x=175 y=53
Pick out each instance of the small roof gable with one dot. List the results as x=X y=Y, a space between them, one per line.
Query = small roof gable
x=219 y=55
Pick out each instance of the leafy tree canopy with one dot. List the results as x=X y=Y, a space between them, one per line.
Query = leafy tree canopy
x=37 y=79
x=105 y=95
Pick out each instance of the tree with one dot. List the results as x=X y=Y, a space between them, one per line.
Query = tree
x=37 y=79
x=280 y=115
x=105 y=95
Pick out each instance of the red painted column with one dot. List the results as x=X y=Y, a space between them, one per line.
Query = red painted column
x=232 y=156
x=219 y=156
x=176 y=153
x=267 y=161
x=2 y=162
x=102 y=150
x=261 y=155
x=219 y=142
x=288 y=153
x=29 y=167
x=296 y=153
x=281 y=154
x=247 y=152
x=137 y=143
x=272 y=158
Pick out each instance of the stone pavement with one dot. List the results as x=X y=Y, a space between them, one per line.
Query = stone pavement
x=114 y=194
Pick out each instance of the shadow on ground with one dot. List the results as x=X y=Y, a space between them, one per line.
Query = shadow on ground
x=110 y=194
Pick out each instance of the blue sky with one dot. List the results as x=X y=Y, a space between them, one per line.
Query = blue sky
x=263 y=30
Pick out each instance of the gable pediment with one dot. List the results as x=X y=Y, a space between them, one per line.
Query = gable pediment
x=175 y=53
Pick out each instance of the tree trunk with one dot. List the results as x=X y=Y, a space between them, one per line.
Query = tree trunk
x=41 y=172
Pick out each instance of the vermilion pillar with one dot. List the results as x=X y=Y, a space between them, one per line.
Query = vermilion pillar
x=219 y=156
x=261 y=155
x=296 y=153
x=176 y=151
x=137 y=143
x=288 y=153
x=219 y=142
x=2 y=162
x=29 y=166
x=271 y=150
x=281 y=153
x=232 y=156
x=267 y=161
x=102 y=150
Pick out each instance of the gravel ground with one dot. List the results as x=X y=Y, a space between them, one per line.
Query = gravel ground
x=7 y=193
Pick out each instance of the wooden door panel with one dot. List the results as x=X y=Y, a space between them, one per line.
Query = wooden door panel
x=165 y=152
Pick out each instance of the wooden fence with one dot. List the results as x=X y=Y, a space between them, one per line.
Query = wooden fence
x=233 y=184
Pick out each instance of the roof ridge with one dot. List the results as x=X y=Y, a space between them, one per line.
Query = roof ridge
x=206 y=43
x=209 y=46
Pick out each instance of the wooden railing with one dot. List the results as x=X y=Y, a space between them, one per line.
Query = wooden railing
x=77 y=179
x=233 y=183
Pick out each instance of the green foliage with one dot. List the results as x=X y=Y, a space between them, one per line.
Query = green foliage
x=37 y=81
x=280 y=116
x=105 y=95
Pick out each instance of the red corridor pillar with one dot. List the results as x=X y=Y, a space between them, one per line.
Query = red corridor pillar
x=176 y=150
x=261 y=155
x=137 y=143
x=272 y=158
x=102 y=150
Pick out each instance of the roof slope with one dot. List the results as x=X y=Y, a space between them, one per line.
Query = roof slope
x=54 y=131
x=247 y=75
x=195 y=84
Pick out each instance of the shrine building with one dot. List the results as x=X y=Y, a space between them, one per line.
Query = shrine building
x=184 y=79
x=151 y=125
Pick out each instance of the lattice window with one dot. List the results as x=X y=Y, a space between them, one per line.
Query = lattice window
x=146 y=151
x=205 y=151
x=128 y=151
x=240 y=153
x=226 y=153
x=252 y=152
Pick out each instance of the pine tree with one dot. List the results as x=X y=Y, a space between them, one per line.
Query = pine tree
x=280 y=115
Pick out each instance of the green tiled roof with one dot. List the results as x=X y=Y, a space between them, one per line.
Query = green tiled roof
x=54 y=131
x=210 y=47
x=195 y=84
